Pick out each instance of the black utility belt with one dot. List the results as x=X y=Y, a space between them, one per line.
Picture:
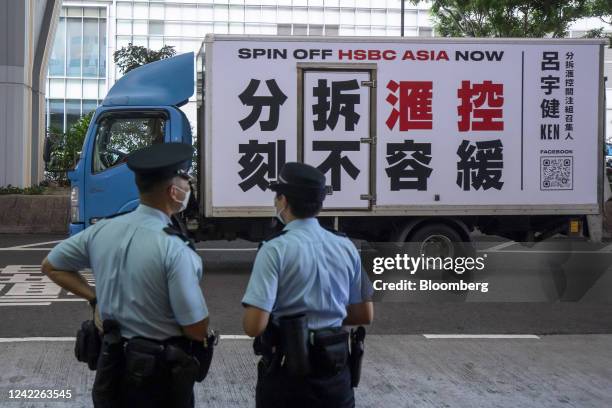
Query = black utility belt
x=326 y=353
x=143 y=356
x=300 y=351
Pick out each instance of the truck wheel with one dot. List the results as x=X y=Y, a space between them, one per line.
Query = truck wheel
x=441 y=240
x=436 y=240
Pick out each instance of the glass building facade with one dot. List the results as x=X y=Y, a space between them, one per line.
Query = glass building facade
x=77 y=65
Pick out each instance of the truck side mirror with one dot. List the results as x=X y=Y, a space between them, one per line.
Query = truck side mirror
x=47 y=149
x=77 y=157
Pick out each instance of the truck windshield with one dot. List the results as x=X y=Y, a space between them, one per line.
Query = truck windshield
x=118 y=136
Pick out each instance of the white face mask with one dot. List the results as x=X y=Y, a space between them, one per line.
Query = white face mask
x=185 y=200
x=279 y=217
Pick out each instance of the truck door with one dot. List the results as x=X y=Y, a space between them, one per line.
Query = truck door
x=337 y=131
x=109 y=184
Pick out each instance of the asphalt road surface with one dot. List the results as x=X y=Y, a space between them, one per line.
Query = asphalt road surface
x=550 y=288
x=552 y=298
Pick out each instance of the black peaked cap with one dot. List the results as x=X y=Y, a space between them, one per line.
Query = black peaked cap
x=301 y=181
x=161 y=160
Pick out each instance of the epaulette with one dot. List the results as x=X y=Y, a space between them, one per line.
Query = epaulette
x=335 y=232
x=271 y=237
x=170 y=230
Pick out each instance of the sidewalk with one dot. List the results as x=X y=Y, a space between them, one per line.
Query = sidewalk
x=399 y=371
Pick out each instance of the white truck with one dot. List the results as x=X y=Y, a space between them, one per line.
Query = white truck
x=421 y=140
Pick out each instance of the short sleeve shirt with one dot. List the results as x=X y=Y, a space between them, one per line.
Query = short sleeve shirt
x=145 y=279
x=308 y=269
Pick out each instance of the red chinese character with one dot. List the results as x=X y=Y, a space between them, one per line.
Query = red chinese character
x=414 y=110
x=492 y=94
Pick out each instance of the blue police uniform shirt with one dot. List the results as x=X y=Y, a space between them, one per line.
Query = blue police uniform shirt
x=308 y=270
x=145 y=279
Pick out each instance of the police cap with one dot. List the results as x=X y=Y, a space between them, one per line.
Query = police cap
x=301 y=181
x=161 y=161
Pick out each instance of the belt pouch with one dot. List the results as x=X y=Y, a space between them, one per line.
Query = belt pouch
x=330 y=350
x=88 y=344
x=141 y=360
x=294 y=343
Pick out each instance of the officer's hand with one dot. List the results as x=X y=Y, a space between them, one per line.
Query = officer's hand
x=96 y=315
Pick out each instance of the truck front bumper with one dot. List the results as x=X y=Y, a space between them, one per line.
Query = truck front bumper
x=76 y=228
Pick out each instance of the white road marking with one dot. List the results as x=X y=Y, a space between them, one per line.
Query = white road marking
x=607 y=248
x=18 y=249
x=25 y=304
x=35 y=244
x=29 y=339
x=37 y=299
x=25 y=339
x=244 y=337
x=498 y=247
x=480 y=336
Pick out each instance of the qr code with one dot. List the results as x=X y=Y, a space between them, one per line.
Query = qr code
x=557 y=173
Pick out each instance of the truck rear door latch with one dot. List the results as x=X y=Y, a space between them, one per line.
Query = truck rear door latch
x=371 y=84
x=371 y=140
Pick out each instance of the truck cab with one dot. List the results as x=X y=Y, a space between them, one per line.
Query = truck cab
x=141 y=109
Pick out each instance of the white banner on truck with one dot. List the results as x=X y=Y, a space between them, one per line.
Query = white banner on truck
x=451 y=123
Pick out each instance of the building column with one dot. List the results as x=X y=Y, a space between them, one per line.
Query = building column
x=26 y=34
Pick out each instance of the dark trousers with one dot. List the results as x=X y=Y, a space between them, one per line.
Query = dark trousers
x=156 y=393
x=114 y=387
x=279 y=390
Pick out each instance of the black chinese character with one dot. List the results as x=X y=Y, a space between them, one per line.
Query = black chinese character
x=255 y=170
x=335 y=161
x=414 y=169
x=550 y=61
x=484 y=170
x=550 y=108
x=274 y=101
x=341 y=104
x=549 y=83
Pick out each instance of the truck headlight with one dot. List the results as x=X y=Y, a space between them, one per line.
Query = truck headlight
x=74 y=205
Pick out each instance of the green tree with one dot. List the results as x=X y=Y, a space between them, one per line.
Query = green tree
x=601 y=9
x=507 y=18
x=134 y=56
x=66 y=147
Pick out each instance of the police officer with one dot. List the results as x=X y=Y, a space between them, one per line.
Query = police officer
x=309 y=271
x=147 y=276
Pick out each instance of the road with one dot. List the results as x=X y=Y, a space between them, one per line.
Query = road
x=554 y=298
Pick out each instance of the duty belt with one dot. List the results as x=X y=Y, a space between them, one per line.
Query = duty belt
x=302 y=352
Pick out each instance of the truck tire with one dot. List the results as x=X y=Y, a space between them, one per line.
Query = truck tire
x=441 y=240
